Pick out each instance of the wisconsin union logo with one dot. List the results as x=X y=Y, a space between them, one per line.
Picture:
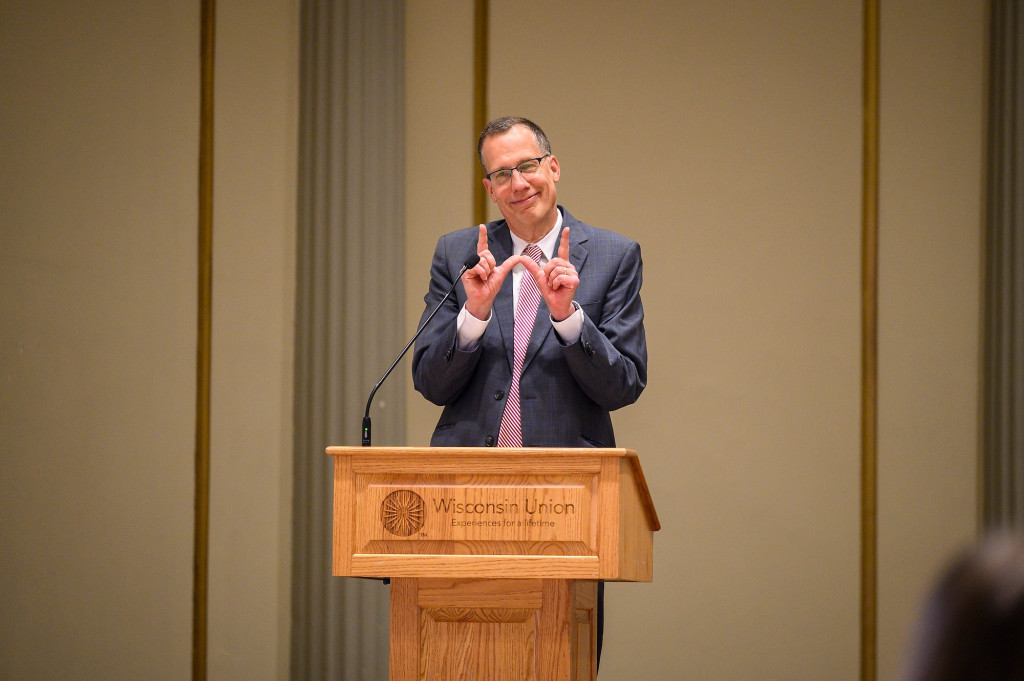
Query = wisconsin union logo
x=402 y=512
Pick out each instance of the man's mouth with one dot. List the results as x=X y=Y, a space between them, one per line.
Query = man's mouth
x=524 y=201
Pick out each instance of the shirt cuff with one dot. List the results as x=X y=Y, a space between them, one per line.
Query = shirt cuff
x=469 y=330
x=571 y=328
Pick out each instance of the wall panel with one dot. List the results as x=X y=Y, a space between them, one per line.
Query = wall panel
x=98 y=139
x=254 y=252
x=930 y=211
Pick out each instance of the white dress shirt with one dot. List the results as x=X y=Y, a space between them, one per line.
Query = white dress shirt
x=469 y=329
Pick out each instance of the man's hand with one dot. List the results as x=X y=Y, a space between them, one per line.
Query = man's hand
x=483 y=282
x=557 y=281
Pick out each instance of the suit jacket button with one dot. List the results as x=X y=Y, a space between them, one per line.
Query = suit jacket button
x=498 y=395
x=448 y=355
x=489 y=441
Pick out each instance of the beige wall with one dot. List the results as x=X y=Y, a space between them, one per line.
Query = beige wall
x=256 y=136
x=930 y=207
x=98 y=224
x=726 y=138
x=439 y=121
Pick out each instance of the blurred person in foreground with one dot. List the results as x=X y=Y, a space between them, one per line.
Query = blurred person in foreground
x=972 y=625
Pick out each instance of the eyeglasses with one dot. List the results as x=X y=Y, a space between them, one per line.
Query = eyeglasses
x=527 y=167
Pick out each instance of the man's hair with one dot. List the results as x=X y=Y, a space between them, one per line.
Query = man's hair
x=499 y=126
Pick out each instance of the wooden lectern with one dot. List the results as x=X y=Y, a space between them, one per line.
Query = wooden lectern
x=493 y=554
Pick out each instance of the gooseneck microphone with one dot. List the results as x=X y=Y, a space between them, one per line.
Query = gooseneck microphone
x=469 y=264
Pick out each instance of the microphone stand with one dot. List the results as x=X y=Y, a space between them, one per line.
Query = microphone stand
x=470 y=263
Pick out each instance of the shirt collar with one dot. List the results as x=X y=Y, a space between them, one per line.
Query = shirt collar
x=548 y=243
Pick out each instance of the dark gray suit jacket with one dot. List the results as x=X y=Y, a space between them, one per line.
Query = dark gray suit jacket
x=566 y=391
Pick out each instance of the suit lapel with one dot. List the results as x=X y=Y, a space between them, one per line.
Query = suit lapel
x=542 y=324
x=499 y=240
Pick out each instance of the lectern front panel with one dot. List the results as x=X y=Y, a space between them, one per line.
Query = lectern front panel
x=484 y=514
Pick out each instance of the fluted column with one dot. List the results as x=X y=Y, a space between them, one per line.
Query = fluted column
x=1003 y=431
x=349 y=311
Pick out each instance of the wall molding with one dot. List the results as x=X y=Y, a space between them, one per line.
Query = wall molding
x=869 y=348
x=481 y=49
x=204 y=324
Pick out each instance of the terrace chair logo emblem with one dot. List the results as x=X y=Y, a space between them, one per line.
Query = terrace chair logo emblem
x=401 y=513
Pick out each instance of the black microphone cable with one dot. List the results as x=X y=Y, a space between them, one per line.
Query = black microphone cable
x=469 y=264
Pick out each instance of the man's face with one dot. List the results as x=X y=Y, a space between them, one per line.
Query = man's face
x=527 y=202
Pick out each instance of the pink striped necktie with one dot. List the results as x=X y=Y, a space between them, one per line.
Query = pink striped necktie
x=511 y=432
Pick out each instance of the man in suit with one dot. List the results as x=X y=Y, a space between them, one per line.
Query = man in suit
x=548 y=378
x=586 y=353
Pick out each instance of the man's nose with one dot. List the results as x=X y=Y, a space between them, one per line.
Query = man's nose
x=518 y=180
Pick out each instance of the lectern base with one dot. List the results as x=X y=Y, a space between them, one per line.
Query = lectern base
x=493 y=629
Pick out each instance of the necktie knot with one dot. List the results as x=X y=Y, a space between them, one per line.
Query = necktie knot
x=533 y=251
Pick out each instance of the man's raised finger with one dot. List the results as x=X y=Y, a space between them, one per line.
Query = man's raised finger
x=563 y=246
x=481 y=241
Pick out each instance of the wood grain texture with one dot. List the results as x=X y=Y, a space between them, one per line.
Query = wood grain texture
x=513 y=630
x=494 y=554
x=492 y=512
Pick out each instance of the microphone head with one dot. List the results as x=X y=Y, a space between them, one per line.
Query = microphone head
x=471 y=261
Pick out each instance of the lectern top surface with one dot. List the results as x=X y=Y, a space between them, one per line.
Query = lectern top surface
x=489 y=451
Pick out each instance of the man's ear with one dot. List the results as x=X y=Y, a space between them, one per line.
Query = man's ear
x=490 y=189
